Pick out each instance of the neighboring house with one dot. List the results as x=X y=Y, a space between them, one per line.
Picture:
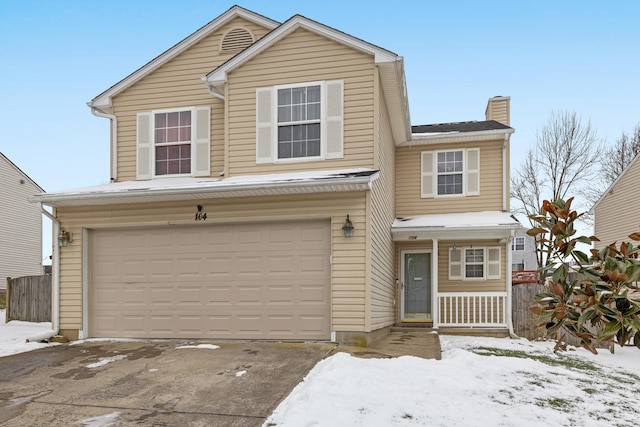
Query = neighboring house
x=20 y=224
x=267 y=184
x=616 y=212
x=523 y=251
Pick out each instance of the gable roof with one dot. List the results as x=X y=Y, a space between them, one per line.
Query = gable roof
x=20 y=171
x=391 y=67
x=103 y=101
x=613 y=184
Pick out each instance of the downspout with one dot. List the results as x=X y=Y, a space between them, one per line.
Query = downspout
x=114 y=140
x=505 y=187
x=512 y=333
x=55 y=278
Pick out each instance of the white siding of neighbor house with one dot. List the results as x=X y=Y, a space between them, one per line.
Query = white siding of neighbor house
x=21 y=224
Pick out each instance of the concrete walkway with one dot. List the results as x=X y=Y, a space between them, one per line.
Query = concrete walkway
x=425 y=344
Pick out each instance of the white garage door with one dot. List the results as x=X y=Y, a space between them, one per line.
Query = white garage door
x=249 y=281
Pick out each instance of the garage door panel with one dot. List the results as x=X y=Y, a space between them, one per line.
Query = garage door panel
x=249 y=281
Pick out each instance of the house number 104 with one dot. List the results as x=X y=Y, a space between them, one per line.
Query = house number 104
x=200 y=216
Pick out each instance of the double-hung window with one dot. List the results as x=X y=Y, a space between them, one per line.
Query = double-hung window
x=173 y=143
x=517 y=244
x=299 y=122
x=450 y=173
x=474 y=263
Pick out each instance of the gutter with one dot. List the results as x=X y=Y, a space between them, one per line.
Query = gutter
x=114 y=138
x=512 y=333
x=55 y=279
x=268 y=188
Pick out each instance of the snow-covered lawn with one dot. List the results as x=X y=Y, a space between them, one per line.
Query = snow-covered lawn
x=14 y=335
x=479 y=382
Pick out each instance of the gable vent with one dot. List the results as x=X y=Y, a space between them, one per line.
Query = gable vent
x=236 y=39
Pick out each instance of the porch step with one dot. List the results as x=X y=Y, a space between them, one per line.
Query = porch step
x=412 y=327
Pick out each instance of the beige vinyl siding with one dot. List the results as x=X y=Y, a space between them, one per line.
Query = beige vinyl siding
x=176 y=84
x=446 y=285
x=348 y=255
x=409 y=202
x=302 y=57
x=616 y=215
x=382 y=215
x=20 y=225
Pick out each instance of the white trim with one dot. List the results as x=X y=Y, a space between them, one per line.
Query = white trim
x=219 y=75
x=451 y=137
x=404 y=252
x=84 y=332
x=104 y=99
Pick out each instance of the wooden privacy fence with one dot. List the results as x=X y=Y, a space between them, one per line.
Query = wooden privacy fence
x=523 y=296
x=29 y=298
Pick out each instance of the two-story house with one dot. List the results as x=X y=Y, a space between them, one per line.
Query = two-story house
x=267 y=184
x=20 y=224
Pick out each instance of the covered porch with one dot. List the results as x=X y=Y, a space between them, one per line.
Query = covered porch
x=454 y=271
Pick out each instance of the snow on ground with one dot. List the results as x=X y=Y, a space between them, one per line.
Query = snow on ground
x=14 y=335
x=479 y=382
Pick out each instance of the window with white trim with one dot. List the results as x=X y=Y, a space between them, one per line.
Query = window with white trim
x=173 y=143
x=474 y=263
x=450 y=173
x=517 y=266
x=299 y=122
x=517 y=244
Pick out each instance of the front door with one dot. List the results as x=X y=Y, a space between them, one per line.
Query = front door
x=416 y=286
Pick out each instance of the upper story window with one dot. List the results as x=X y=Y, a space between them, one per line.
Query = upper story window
x=299 y=122
x=517 y=244
x=452 y=173
x=477 y=263
x=172 y=138
x=173 y=143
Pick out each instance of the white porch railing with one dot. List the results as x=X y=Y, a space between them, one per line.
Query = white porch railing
x=472 y=309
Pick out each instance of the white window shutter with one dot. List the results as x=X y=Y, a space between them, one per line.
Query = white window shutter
x=201 y=150
x=455 y=264
x=144 y=145
x=473 y=172
x=333 y=132
x=427 y=183
x=493 y=262
x=265 y=125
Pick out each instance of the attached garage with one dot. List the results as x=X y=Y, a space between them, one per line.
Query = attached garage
x=267 y=280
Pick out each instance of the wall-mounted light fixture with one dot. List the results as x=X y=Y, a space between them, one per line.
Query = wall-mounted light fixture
x=454 y=248
x=347 y=228
x=64 y=237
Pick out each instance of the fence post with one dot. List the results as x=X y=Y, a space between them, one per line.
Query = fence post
x=7 y=307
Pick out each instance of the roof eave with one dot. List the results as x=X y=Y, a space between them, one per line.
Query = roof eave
x=103 y=100
x=327 y=185
x=451 y=137
x=454 y=233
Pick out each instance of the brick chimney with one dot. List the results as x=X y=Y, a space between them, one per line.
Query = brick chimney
x=499 y=109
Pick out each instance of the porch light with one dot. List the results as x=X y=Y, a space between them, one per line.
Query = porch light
x=347 y=228
x=454 y=248
x=64 y=237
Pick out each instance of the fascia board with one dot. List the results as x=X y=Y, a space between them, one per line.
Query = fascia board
x=453 y=233
x=451 y=137
x=104 y=99
x=235 y=190
x=297 y=21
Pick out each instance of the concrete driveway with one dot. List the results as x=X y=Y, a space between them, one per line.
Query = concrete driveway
x=152 y=383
